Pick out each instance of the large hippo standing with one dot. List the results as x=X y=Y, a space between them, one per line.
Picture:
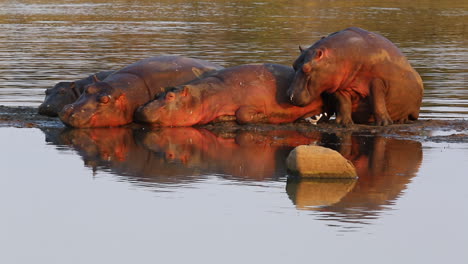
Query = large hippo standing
x=249 y=93
x=64 y=93
x=369 y=77
x=112 y=102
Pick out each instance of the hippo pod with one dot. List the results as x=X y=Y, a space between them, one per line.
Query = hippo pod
x=112 y=102
x=64 y=93
x=370 y=79
x=249 y=93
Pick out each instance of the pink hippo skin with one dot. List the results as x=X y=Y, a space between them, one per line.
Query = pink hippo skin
x=113 y=101
x=249 y=93
x=370 y=79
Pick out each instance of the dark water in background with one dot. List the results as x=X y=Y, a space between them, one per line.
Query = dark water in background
x=189 y=195
x=44 y=42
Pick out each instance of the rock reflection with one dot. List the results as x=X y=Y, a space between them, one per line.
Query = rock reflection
x=385 y=167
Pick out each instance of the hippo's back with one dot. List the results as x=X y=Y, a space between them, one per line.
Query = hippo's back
x=158 y=65
x=378 y=57
x=162 y=71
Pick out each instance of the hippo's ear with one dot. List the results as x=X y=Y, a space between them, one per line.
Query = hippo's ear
x=301 y=49
x=95 y=78
x=319 y=54
x=185 y=91
x=198 y=73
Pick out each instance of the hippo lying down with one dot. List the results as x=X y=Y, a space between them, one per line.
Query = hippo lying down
x=249 y=93
x=368 y=76
x=64 y=93
x=112 y=102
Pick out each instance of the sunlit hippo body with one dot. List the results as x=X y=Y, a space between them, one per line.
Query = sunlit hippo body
x=64 y=93
x=370 y=78
x=249 y=93
x=112 y=102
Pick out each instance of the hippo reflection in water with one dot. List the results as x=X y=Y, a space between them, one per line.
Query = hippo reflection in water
x=385 y=167
x=172 y=155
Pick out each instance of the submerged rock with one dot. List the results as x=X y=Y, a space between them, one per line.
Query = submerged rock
x=319 y=162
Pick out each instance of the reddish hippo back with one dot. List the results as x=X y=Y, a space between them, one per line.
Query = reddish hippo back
x=249 y=93
x=112 y=102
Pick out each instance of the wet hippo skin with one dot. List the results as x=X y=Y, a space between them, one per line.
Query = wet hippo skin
x=249 y=93
x=370 y=79
x=64 y=93
x=112 y=102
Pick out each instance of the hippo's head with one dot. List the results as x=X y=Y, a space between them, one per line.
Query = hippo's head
x=99 y=106
x=312 y=75
x=56 y=98
x=177 y=107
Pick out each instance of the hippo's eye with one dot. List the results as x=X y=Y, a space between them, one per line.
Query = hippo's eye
x=61 y=91
x=306 y=68
x=104 y=99
x=170 y=96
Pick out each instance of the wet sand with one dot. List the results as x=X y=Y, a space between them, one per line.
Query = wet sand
x=453 y=131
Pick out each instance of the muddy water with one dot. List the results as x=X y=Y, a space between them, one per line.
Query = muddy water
x=190 y=195
x=44 y=42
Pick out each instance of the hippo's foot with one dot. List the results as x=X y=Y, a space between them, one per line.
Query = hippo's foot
x=245 y=115
x=384 y=120
x=344 y=120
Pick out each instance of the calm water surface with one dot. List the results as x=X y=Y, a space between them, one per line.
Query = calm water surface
x=189 y=195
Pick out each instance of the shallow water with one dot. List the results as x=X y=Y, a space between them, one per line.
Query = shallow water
x=189 y=195
x=45 y=41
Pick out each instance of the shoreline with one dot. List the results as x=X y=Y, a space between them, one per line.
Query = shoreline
x=438 y=131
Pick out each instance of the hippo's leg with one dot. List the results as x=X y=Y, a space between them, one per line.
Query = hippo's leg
x=343 y=115
x=377 y=96
x=401 y=121
x=247 y=114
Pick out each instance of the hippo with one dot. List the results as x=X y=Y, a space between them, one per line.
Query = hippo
x=64 y=93
x=366 y=74
x=112 y=102
x=253 y=93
